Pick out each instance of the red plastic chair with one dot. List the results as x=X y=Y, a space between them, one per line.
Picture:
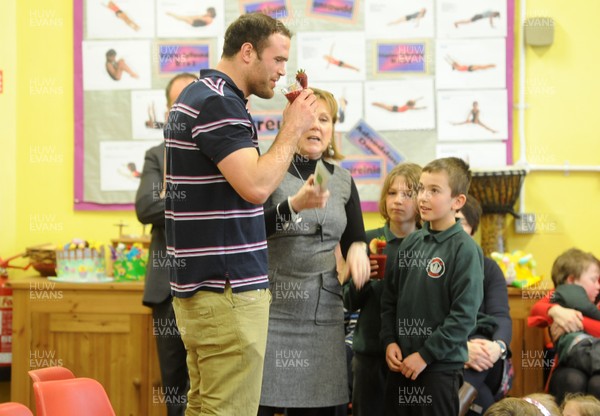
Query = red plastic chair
x=51 y=373
x=73 y=397
x=14 y=409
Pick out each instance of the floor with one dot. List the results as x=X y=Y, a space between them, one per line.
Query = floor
x=4 y=391
x=4 y=384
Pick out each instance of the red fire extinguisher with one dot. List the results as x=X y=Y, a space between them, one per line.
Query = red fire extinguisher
x=6 y=311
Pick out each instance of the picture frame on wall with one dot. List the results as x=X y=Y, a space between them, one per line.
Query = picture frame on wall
x=393 y=58
x=340 y=11
x=174 y=57
x=277 y=9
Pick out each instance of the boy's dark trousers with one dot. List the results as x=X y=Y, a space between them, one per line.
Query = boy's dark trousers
x=431 y=394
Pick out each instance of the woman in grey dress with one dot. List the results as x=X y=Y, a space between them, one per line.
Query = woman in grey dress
x=305 y=363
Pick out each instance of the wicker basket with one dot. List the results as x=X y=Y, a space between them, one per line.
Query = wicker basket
x=43 y=259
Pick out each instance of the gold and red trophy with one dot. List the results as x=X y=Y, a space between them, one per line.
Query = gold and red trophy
x=294 y=90
x=376 y=247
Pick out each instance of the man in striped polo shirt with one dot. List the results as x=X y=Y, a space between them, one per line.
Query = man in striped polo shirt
x=216 y=183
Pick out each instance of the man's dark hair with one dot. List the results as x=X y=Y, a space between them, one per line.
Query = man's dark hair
x=255 y=28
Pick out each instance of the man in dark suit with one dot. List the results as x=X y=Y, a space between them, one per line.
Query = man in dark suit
x=150 y=209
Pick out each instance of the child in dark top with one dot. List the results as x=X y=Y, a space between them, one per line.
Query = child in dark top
x=576 y=277
x=398 y=206
x=430 y=301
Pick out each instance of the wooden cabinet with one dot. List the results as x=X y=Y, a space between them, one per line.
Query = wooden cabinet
x=102 y=331
x=527 y=344
x=98 y=330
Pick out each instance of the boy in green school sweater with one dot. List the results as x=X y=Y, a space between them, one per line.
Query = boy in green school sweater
x=429 y=304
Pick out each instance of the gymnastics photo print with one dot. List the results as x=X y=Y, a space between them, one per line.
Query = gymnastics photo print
x=385 y=19
x=471 y=18
x=406 y=104
x=468 y=63
x=472 y=115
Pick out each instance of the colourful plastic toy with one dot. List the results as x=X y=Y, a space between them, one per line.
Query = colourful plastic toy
x=518 y=268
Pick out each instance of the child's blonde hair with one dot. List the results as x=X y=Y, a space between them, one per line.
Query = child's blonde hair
x=511 y=406
x=526 y=406
x=332 y=106
x=411 y=172
x=572 y=262
x=587 y=405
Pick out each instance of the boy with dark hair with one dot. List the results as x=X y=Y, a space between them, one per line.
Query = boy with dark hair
x=429 y=304
x=576 y=275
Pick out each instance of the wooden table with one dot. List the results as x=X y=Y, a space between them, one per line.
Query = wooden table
x=97 y=330
x=527 y=344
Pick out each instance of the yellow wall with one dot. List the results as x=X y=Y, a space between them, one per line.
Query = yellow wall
x=36 y=164
x=43 y=173
x=8 y=133
x=562 y=125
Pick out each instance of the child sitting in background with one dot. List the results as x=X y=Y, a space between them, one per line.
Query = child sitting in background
x=576 y=277
x=398 y=206
x=580 y=405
